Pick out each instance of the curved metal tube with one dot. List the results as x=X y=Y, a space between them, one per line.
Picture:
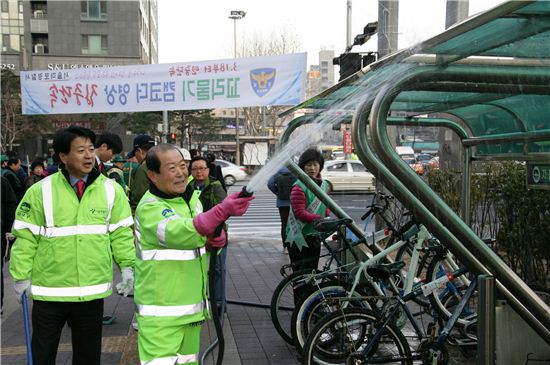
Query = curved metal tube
x=537 y=313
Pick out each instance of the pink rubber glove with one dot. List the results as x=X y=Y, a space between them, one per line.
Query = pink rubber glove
x=206 y=223
x=216 y=242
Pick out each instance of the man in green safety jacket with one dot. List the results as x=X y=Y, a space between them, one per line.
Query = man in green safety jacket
x=68 y=228
x=172 y=264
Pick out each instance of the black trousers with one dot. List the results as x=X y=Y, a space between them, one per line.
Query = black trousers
x=85 y=318
x=283 y=213
x=307 y=258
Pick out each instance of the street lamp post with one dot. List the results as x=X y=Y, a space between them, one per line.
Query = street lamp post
x=235 y=15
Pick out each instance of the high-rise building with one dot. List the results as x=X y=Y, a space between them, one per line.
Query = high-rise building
x=327 y=68
x=42 y=35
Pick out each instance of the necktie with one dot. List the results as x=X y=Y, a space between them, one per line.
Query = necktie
x=80 y=184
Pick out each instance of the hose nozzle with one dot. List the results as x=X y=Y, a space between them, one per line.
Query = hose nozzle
x=245 y=193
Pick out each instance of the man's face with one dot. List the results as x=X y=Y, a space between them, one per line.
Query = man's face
x=200 y=171
x=140 y=155
x=15 y=167
x=104 y=153
x=172 y=178
x=80 y=159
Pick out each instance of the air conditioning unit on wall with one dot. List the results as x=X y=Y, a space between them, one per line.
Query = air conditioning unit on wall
x=39 y=48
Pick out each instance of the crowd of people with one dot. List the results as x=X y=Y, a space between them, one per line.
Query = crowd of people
x=71 y=218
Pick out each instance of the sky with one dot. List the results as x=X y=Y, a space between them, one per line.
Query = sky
x=201 y=30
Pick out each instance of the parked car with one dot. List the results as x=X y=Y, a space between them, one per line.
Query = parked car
x=424 y=158
x=348 y=175
x=337 y=155
x=231 y=172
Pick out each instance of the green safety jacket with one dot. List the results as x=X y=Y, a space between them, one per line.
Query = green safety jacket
x=172 y=263
x=139 y=185
x=65 y=245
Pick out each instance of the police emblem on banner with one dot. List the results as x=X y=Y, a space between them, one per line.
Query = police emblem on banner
x=262 y=79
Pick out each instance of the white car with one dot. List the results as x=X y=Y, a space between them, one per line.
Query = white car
x=348 y=175
x=231 y=172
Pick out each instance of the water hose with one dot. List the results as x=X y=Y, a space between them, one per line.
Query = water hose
x=218 y=323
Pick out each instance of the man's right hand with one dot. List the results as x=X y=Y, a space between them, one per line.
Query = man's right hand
x=207 y=222
x=20 y=287
x=235 y=205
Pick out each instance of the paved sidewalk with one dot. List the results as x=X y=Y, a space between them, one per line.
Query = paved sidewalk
x=250 y=338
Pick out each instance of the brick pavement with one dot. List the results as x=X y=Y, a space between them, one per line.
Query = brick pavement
x=253 y=273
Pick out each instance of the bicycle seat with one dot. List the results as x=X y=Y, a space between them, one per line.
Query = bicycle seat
x=384 y=271
x=330 y=224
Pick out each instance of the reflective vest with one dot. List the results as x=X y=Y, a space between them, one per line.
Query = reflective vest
x=65 y=246
x=172 y=263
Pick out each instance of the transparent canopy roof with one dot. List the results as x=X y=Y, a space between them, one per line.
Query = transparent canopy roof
x=491 y=71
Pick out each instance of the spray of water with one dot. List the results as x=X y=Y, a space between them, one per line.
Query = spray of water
x=364 y=89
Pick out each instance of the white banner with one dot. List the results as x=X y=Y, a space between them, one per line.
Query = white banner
x=243 y=82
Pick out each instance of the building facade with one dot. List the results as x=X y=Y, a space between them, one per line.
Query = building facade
x=56 y=35
x=61 y=35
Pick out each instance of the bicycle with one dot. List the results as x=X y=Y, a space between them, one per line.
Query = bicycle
x=360 y=336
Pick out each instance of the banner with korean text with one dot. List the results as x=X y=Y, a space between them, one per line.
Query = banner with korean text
x=242 y=82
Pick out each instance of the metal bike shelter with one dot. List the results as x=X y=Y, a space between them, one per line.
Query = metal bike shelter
x=488 y=80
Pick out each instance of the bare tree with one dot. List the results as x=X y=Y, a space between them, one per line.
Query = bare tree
x=197 y=126
x=279 y=42
x=14 y=125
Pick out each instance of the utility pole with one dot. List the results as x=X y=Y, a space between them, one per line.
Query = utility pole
x=235 y=15
x=348 y=25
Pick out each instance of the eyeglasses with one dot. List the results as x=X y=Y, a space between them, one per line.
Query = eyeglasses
x=199 y=168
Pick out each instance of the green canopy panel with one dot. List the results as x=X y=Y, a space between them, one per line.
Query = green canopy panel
x=491 y=71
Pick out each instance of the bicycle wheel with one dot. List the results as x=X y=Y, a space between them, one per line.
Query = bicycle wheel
x=342 y=338
x=314 y=306
x=283 y=301
x=445 y=298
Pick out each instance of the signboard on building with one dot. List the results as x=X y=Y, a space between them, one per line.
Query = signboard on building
x=243 y=82
x=538 y=176
x=348 y=144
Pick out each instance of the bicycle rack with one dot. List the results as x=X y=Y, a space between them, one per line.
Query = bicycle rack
x=448 y=72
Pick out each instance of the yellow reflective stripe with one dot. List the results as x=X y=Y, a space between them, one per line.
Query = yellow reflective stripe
x=78 y=291
x=17 y=224
x=47 y=200
x=126 y=222
x=161 y=229
x=110 y=196
x=161 y=361
x=185 y=359
x=74 y=230
x=176 y=255
x=169 y=310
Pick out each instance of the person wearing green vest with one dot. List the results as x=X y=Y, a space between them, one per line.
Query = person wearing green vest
x=211 y=193
x=140 y=183
x=305 y=209
x=68 y=228
x=116 y=173
x=172 y=263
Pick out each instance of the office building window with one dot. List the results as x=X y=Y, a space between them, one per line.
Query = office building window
x=93 y=10
x=5 y=6
x=5 y=42
x=94 y=44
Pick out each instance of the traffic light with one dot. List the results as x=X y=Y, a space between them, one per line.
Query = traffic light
x=350 y=63
x=172 y=137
